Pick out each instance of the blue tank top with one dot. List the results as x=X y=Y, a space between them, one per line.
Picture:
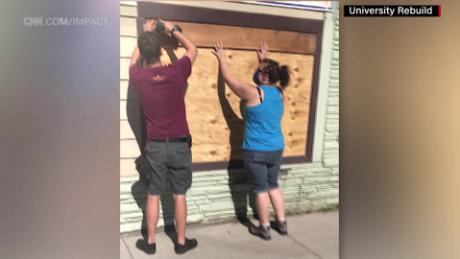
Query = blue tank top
x=262 y=123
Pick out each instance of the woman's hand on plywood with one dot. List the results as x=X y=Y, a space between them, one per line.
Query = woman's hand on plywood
x=219 y=51
x=262 y=52
x=241 y=89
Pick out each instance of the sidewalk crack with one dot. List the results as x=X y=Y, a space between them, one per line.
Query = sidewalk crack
x=306 y=247
x=127 y=248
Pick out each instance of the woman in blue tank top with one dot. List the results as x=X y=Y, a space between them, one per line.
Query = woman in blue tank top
x=263 y=138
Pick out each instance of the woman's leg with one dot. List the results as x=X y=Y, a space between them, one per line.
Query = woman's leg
x=257 y=173
x=276 y=197
x=262 y=203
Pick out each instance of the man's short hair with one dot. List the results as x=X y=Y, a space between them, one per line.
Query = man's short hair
x=149 y=46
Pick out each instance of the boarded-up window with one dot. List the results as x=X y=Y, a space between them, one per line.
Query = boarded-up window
x=213 y=111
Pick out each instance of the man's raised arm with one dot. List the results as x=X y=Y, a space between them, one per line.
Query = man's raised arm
x=191 y=49
x=149 y=25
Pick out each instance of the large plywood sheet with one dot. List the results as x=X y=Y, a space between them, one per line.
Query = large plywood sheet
x=213 y=111
x=249 y=38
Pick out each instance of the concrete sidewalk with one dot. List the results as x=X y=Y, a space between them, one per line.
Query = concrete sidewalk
x=314 y=235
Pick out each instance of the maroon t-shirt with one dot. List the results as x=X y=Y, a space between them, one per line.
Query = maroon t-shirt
x=161 y=91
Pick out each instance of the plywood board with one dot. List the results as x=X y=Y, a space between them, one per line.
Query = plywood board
x=214 y=113
x=235 y=37
x=205 y=35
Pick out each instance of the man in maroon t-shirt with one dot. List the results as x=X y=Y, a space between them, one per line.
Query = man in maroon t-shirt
x=161 y=90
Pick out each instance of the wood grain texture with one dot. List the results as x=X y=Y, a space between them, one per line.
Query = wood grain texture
x=213 y=112
x=205 y=35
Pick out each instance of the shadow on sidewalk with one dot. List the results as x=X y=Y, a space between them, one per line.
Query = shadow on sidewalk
x=240 y=189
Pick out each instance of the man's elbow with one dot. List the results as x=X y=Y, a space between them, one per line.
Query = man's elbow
x=192 y=53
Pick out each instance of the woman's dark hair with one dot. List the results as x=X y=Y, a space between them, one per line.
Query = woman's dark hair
x=149 y=46
x=276 y=72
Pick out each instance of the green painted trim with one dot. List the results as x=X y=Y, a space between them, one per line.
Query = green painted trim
x=321 y=108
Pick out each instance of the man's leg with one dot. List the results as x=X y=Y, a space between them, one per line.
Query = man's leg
x=180 y=174
x=152 y=216
x=276 y=197
x=156 y=155
x=180 y=216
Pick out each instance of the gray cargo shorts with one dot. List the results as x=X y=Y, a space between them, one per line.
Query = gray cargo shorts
x=170 y=166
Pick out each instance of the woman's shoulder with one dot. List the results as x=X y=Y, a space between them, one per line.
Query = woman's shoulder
x=264 y=87
x=270 y=88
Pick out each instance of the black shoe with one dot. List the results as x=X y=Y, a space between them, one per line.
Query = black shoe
x=147 y=248
x=281 y=227
x=188 y=245
x=260 y=231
